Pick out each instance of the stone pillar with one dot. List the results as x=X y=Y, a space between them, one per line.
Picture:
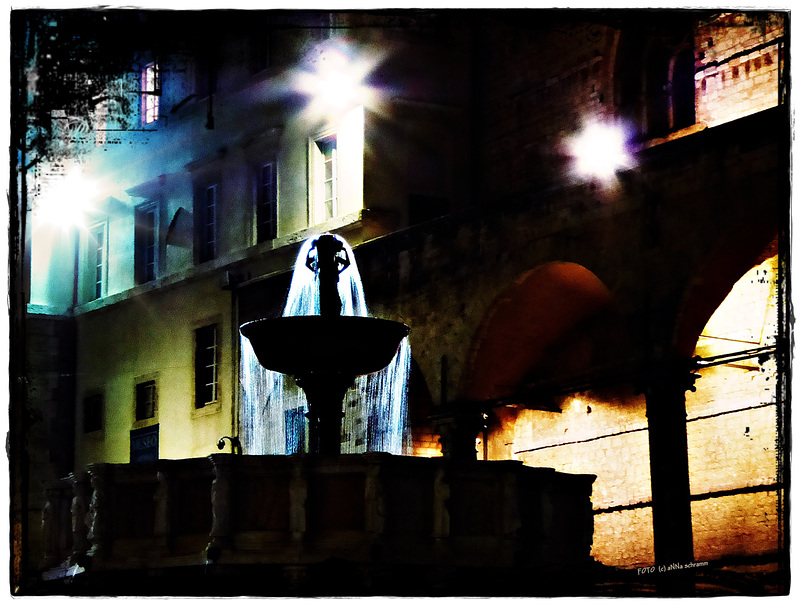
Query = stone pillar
x=375 y=504
x=100 y=511
x=664 y=389
x=164 y=498
x=441 y=498
x=221 y=532
x=79 y=509
x=51 y=527
x=298 y=493
x=458 y=433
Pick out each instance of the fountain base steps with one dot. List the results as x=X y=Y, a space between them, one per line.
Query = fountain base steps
x=375 y=516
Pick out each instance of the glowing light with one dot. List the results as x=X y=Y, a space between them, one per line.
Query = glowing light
x=67 y=201
x=337 y=89
x=334 y=81
x=599 y=151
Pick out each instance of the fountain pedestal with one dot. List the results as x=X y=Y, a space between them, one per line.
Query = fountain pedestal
x=325 y=394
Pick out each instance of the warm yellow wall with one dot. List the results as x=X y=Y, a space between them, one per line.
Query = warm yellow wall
x=610 y=442
x=732 y=424
x=739 y=59
x=154 y=336
x=731 y=432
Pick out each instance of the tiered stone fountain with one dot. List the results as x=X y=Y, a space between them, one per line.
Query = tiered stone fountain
x=322 y=523
x=325 y=352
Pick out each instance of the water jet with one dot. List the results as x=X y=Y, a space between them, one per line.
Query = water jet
x=327 y=351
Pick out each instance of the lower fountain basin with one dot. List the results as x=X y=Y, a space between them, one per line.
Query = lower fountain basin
x=314 y=344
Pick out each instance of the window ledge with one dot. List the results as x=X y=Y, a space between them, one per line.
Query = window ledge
x=208 y=409
x=693 y=129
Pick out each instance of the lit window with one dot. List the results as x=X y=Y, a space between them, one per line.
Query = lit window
x=146 y=398
x=206 y=212
x=325 y=185
x=336 y=169
x=146 y=243
x=151 y=93
x=97 y=260
x=266 y=210
x=206 y=365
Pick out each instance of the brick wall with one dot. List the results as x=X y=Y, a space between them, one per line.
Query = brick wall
x=738 y=63
x=542 y=80
x=731 y=432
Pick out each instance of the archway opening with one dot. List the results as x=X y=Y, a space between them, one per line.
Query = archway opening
x=526 y=322
x=734 y=423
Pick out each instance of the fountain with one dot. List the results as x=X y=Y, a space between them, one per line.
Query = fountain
x=325 y=350
x=323 y=524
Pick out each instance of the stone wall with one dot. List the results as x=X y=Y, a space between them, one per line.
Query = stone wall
x=49 y=445
x=739 y=65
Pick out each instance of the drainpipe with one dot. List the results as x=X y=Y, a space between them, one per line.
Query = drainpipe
x=231 y=284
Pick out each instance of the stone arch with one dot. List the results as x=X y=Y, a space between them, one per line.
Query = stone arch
x=526 y=320
x=723 y=267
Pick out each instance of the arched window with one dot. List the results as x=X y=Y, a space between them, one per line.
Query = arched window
x=655 y=87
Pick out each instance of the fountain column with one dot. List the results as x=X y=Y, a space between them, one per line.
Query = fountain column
x=324 y=394
x=326 y=391
x=325 y=353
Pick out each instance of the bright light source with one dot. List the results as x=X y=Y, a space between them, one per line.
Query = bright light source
x=336 y=89
x=333 y=81
x=576 y=405
x=66 y=201
x=599 y=151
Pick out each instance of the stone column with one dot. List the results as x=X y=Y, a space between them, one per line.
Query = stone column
x=458 y=433
x=51 y=525
x=164 y=497
x=298 y=493
x=664 y=389
x=79 y=510
x=100 y=511
x=221 y=532
x=441 y=498
x=374 y=503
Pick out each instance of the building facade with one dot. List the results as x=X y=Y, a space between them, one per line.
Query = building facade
x=558 y=301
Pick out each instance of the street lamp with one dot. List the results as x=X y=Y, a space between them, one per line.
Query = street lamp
x=599 y=151
x=60 y=211
x=333 y=80
x=66 y=201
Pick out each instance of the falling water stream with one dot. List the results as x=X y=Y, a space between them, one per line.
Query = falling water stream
x=273 y=407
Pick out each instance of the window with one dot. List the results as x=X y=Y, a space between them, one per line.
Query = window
x=656 y=80
x=336 y=169
x=146 y=243
x=151 y=93
x=93 y=413
x=681 y=90
x=146 y=399
x=206 y=212
x=325 y=185
x=206 y=365
x=266 y=204
x=97 y=260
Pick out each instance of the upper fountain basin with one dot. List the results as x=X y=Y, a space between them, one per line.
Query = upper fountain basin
x=345 y=345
